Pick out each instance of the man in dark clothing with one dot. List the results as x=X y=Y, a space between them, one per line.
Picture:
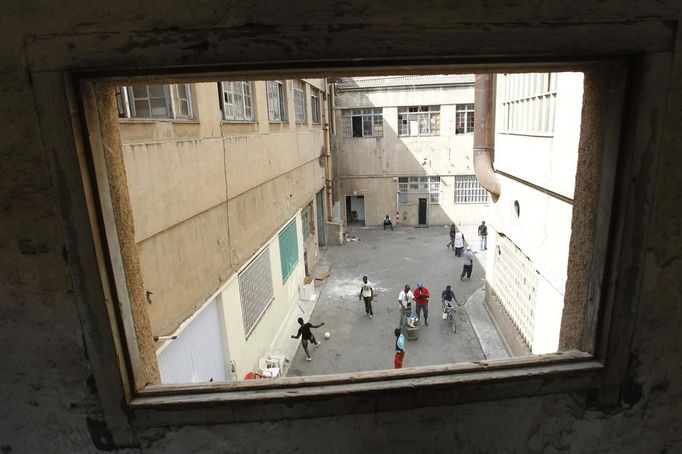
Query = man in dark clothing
x=304 y=331
x=453 y=231
x=483 y=234
x=388 y=223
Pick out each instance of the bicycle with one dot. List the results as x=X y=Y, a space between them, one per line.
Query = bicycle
x=450 y=312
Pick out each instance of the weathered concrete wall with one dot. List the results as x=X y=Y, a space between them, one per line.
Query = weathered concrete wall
x=180 y=176
x=48 y=393
x=363 y=159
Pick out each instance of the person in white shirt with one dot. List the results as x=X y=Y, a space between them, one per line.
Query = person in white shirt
x=367 y=294
x=406 y=297
x=459 y=243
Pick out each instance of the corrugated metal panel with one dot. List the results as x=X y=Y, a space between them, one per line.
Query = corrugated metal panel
x=197 y=354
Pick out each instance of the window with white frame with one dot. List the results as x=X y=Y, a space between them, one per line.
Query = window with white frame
x=276 y=101
x=411 y=188
x=155 y=101
x=236 y=100
x=464 y=118
x=528 y=103
x=362 y=122
x=419 y=121
x=315 y=106
x=469 y=190
x=299 y=101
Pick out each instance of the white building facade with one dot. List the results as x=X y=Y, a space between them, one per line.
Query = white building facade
x=537 y=130
x=404 y=146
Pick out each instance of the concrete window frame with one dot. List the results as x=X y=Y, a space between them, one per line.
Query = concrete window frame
x=602 y=325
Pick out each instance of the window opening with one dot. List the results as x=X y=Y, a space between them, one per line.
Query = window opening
x=362 y=122
x=276 y=101
x=469 y=190
x=419 y=121
x=236 y=100
x=464 y=119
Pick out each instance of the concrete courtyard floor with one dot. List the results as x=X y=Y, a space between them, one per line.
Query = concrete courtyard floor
x=391 y=259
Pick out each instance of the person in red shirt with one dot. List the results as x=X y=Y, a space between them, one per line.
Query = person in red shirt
x=421 y=297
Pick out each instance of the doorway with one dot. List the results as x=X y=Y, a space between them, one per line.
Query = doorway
x=355 y=209
x=422 y=211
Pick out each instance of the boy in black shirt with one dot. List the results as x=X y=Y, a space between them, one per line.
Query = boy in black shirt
x=307 y=335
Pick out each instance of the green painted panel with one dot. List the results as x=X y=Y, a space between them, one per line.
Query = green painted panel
x=288 y=249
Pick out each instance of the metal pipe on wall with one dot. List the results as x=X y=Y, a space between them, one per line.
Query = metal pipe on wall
x=483 y=135
x=327 y=153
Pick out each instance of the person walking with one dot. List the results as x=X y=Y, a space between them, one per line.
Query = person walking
x=388 y=223
x=421 y=297
x=453 y=230
x=483 y=234
x=367 y=294
x=468 y=264
x=459 y=243
x=399 y=349
x=308 y=336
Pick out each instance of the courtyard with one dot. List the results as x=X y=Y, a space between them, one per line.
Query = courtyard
x=391 y=259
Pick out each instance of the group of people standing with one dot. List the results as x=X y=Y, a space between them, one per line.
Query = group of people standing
x=457 y=245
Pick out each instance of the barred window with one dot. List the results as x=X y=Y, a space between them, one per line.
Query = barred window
x=236 y=100
x=362 y=122
x=469 y=190
x=528 y=103
x=288 y=249
x=255 y=290
x=419 y=121
x=410 y=188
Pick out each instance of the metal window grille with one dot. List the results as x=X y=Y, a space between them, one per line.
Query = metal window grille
x=237 y=100
x=464 y=118
x=315 y=108
x=255 y=290
x=469 y=190
x=419 y=121
x=516 y=282
x=276 y=101
x=362 y=122
x=288 y=249
x=411 y=188
x=528 y=103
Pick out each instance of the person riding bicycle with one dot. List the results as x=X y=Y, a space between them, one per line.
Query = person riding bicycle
x=448 y=299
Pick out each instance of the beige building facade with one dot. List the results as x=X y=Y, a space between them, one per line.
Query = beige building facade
x=226 y=184
x=404 y=147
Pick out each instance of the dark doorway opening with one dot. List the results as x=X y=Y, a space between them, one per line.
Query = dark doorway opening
x=355 y=210
x=422 y=211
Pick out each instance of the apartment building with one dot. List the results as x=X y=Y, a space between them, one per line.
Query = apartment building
x=537 y=131
x=404 y=147
x=226 y=185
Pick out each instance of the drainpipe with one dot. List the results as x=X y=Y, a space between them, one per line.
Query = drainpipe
x=327 y=154
x=483 y=135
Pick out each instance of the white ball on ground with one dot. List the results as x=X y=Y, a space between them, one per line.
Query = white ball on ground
x=327 y=335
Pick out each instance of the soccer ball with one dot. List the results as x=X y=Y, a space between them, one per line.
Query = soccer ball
x=327 y=335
